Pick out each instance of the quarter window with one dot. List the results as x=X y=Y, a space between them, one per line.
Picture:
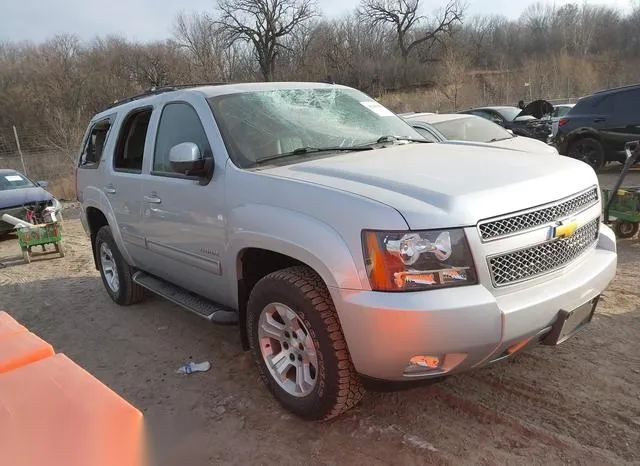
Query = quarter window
x=94 y=146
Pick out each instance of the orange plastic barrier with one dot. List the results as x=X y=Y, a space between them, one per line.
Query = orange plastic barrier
x=22 y=348
x=54 y=413
x=8 y=325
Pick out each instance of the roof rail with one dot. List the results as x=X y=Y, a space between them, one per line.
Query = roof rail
x=151 y=91
x=160 y=90
x=619 y=88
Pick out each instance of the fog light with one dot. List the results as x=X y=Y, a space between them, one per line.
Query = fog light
x=430 y=362
x=431 y=366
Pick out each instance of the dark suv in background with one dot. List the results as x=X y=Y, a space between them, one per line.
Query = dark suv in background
x=597 y=128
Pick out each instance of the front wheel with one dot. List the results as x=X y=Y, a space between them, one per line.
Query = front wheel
x=116 y=273
x=297 y=342
x=589 y=151
x=625 y=229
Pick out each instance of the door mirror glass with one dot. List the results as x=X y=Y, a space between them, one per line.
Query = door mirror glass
x=185 y=158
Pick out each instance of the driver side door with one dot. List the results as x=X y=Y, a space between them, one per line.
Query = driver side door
x=183 y=219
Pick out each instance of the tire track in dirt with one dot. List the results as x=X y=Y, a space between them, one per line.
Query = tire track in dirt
x=562 y=446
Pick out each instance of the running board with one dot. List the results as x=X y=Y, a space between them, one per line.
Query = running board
x=200 y=306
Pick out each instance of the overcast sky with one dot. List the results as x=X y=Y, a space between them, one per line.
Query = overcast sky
x=148 y=20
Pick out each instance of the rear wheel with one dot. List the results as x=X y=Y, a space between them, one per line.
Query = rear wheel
x=626 y=229
x=116 y=273
x=298 y=345
x=589 y=151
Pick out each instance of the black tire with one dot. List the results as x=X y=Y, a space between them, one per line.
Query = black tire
x=589 y=151
x=128 y=292
x=625 y=229
x=338 y=387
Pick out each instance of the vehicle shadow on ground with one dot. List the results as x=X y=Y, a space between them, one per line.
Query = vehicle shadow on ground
x=529 y=401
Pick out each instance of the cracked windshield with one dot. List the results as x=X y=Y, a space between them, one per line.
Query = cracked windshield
x=266 y=125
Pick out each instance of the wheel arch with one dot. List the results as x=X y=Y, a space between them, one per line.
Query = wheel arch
x=254 y=263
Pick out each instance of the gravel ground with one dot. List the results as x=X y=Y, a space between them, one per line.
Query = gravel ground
x=575 y=404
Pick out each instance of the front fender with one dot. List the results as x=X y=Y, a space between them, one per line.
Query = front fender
x=299 y=236
x=94 y=197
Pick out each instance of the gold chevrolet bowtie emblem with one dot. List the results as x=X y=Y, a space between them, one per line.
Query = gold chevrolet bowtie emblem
x=565 y=229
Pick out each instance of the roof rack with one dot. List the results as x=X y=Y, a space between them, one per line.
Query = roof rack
x=155 y=90
x=619 y=88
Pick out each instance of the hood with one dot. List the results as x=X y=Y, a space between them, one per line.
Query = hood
x=537 y=109
x=17 y=197
x=523 y=143
x=442 y=185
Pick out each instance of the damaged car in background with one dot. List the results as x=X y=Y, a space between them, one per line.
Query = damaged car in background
x=529 y=121
x=23 y=199
x=472 y=130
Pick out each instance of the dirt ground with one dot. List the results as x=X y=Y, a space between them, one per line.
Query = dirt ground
x=575 y=404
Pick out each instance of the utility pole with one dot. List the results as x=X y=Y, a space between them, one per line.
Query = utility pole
x=15 y=134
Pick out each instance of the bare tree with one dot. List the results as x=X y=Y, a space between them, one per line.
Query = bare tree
x=455 y=64
x=265 y=24
x=197 y=34
x=410 y=27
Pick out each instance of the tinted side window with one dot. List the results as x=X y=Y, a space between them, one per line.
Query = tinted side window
x=179 y=123
x=131 y=141
x=627 y=103
x=94 y=145
x=603 y=105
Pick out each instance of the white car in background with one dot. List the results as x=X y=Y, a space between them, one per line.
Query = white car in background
x=464 y=128
x=559 y=111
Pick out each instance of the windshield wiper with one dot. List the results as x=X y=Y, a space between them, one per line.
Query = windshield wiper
x=383 y=139
x=500 y=139
x=311 y=150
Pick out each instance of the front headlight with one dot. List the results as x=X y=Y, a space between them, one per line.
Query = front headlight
x=56 y=204
x=420 y=260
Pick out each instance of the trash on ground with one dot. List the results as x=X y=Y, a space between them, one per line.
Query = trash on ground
x=194 y=367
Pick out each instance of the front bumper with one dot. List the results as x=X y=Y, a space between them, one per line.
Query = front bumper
x=467 y=327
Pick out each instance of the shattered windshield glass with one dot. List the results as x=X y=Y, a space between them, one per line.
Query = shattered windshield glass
x=261 y=125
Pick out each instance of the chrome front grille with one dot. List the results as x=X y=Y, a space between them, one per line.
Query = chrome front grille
x=524 y=264
x=493 y=229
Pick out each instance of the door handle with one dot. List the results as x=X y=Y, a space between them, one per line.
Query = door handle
x=109 y=189
x=152 y=200
x=599 y=120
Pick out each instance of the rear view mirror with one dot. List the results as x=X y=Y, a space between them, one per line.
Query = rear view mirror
x=42 y=184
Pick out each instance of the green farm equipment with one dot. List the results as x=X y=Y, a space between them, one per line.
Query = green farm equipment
x=623 y=204
x=40 y=235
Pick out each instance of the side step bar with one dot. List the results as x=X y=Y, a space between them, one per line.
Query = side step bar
x=204 y=308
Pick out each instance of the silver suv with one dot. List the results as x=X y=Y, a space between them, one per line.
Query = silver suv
x=344 y=245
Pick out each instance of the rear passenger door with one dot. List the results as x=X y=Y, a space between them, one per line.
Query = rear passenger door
x=624 y=123
x=184 y=221
x=124 y=187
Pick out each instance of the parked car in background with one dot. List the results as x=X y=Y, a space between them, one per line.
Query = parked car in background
x=521 y=121
x=597 y=128
x=17 y=192
x=559 y=111
x=345 y=246
x=473 y=129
